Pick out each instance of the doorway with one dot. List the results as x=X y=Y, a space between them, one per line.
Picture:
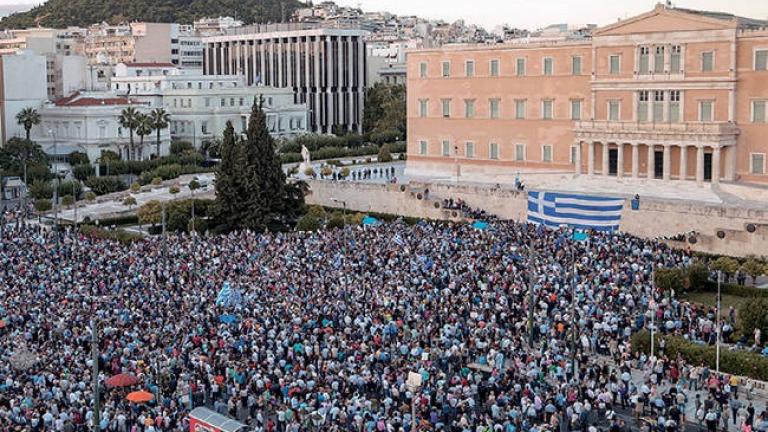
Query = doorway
x=613 y=162
x=658 y=164
x=708 y=166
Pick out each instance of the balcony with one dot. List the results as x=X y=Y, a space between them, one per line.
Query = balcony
x=709 y=133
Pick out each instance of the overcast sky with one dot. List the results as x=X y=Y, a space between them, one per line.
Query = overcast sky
x=533 y=14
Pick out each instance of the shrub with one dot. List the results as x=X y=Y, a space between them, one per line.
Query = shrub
x=105 y=185
x=67 y=188
x=316 y=211
x=735 y=362
x=309 y=172
x=181 y=147
x=41 y=189
x=129 y=201
x=336 y=221
x=43 y=205
x=753 y=268
x=308 y=223
x=697 y=276
x=754 y=314
x=150 y=212
x=67 y=200
x=727 y=265
x=344 y=172
x=135 y=187
x=121 y=236
x=326 y=171
x=384 y=154
x=157 y=181
x=174 y=189
x=90 y=196
x=78 y=158
x=194 y=185
x=83 y=171
x=669 y=279
x=384 y=137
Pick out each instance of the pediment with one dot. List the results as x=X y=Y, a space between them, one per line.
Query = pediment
x=662 y=20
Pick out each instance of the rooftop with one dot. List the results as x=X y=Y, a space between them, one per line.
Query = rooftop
x=84 y=100
x=150 y=65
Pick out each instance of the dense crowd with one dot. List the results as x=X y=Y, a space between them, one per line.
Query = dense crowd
x=326 y=328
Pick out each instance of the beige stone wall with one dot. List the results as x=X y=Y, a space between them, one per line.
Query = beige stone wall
x=654 y=219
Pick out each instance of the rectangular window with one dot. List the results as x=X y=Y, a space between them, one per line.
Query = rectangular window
x=614 y=108
x=469 y=150
x=493 y=151
x=548 y=66
x=494 y=68
x=422 y=70
x=470 y=68
x=207 y=102
x=519 y=152
x=658 y=106
x=757 y=163
x=546 y=110
x=520 y=67
x=642 y=106
x=574 y=149
x=204 y=127
x=423 y=107
x=446 y=69
x=761 y=60
x=422 y=147
x=758 y=111
x=520 y=109
x=576 y=65
x=223 y=102
x=658 y=60
x=705 y=111
x=469 y=108
x=707 y=61
x=674 y=106
x=446 y=148
x=615 y=64
x=644 y=61
x=576 y=109
x=231 y=101
x=546 y=153
x=446 y=108
x=674 y=59
x=493 y=108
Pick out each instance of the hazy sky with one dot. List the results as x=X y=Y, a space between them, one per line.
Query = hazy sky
x=532 y=14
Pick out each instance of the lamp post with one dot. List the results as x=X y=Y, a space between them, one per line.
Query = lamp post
x=719 y=331
x=344 y=216
x=56 y=188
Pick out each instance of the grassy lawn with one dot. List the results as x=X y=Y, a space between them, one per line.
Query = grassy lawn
x=710 y=299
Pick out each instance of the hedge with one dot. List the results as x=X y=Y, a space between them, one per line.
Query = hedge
x=139 y=167
x=341 y=152
x=736 y=290
x=734 y=362
x=105 y=185
x=119 y=220
x=122 y=236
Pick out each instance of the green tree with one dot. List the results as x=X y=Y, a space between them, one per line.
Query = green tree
x=726 y=265
x=40 y=189
x=129 y=119
x=67 y=200
x=90 y=196
x=28 y=117
x=753 y=268
x=697 y=276
x=129 y=201
x=70 y=187
x=336 y=221
x=669 y=279
x=308 y=223
x=143 y=128
x=211 y=148
x=385 y=108
x=181 y=147
x=753 y=314
x=384 y=154
x=160 y=120
x=18 y=151
x=78 y=158
x=135 y=187
x=150 y=212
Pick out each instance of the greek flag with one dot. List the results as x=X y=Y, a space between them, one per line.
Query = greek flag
x=225 y=294
x=553 y=210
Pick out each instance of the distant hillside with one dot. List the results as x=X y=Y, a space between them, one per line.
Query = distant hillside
x=63 y=13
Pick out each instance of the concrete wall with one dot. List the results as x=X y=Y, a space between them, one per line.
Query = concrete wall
x=655 y=218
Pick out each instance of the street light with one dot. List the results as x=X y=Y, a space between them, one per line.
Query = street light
x=719 y=331
x=344 y=215
x=56 y=188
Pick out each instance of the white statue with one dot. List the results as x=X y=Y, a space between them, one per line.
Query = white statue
x=307 y=163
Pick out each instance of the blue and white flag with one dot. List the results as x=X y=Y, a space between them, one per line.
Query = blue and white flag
x=553 y=210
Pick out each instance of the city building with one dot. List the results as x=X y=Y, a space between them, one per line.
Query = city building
x=385 y=61
x=323 y=67
x=89 y=122
x=144 y=43
x=23 y=84
x=215 y=26
x=201 y=105
x=673 y=94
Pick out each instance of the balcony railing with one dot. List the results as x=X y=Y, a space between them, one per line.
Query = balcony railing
x=715 y=128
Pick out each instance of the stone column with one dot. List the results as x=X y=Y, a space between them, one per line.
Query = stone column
x=591 y=158
x=716 y=165
x=699 y=164
x=605 y=159
x=620 y=160
x=667 y=168
x=577 y=159
x=651 y=160
x=730 y=163
x=683 y=162
x=635 y=160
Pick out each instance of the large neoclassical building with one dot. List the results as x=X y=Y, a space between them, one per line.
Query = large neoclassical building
x=673 y=94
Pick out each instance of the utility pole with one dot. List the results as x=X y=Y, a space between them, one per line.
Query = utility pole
x=95 y=354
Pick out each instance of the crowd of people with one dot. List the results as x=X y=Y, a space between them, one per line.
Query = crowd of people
x=510 y=328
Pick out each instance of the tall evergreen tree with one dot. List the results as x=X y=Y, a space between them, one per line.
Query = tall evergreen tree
x=229 y=202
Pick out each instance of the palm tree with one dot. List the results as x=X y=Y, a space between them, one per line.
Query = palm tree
x=28 y=117
x=129 y=118
x=160 y=120
x=143 y=128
